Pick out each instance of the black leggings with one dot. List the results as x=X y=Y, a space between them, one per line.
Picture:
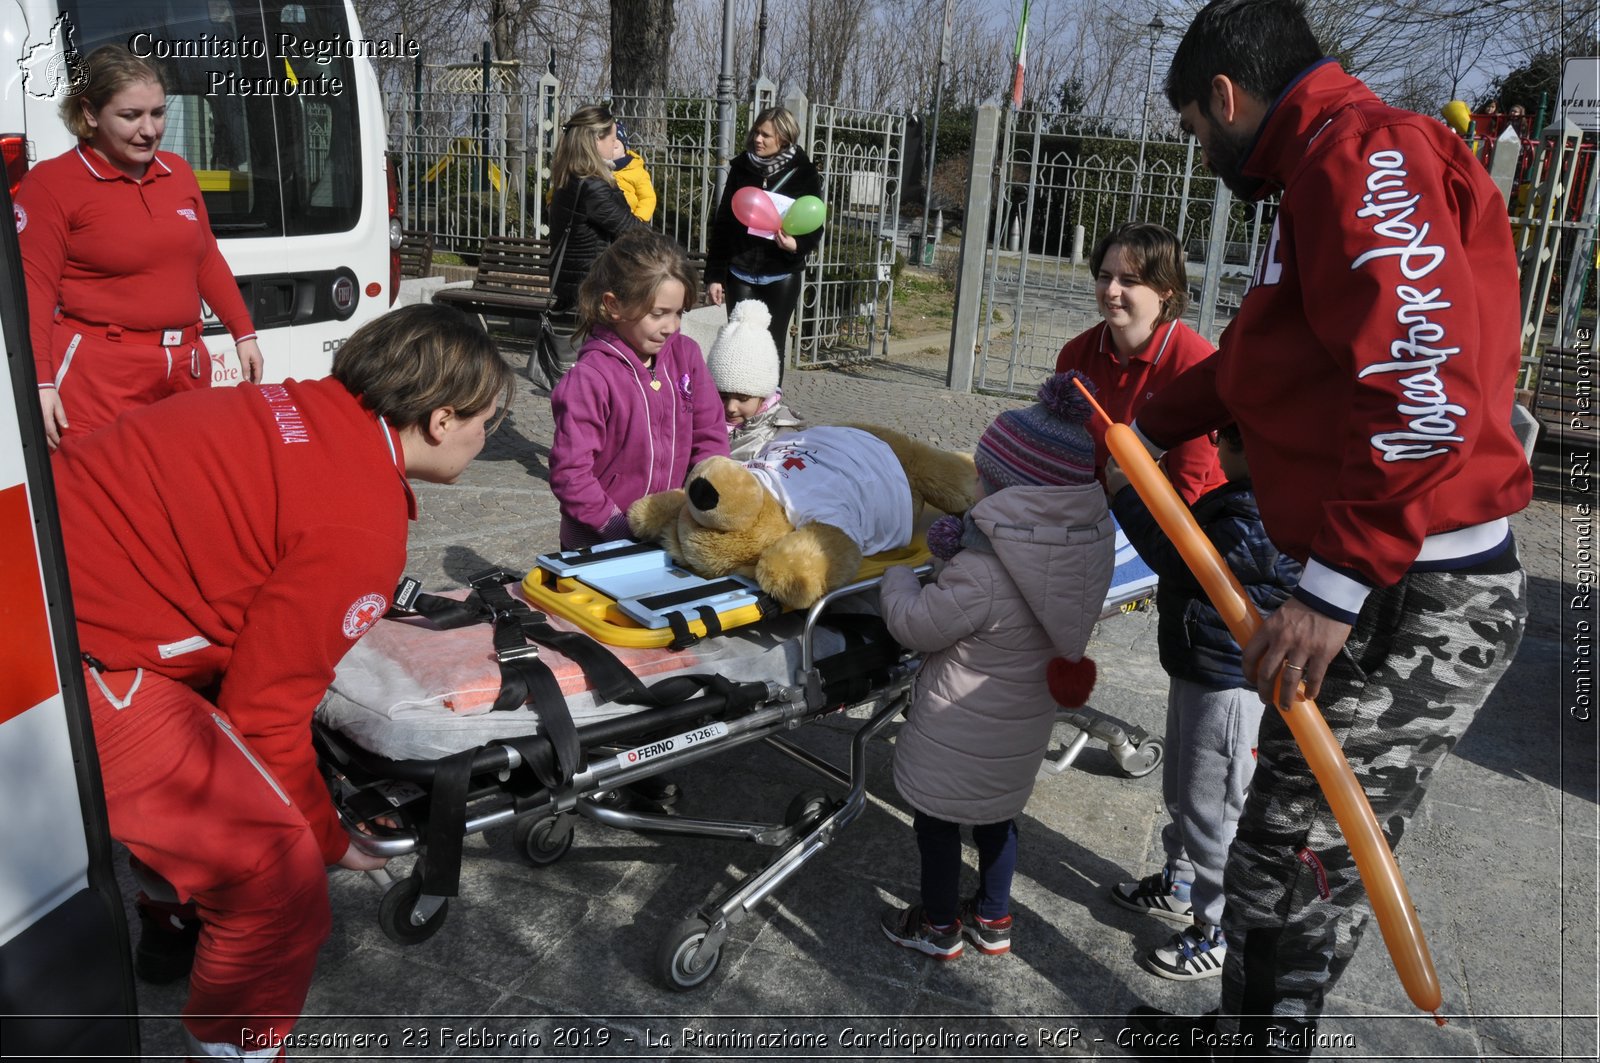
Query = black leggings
x=780 y=297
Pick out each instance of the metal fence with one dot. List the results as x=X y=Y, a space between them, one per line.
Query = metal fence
x=475 y=162
x=1062 y=181
x=846 y=304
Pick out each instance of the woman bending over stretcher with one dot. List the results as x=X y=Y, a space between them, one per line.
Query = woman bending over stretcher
x=215 y=591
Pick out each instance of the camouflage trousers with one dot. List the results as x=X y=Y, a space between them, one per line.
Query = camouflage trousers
x=1421 y=660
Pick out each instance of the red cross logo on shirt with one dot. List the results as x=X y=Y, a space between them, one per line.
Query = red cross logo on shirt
x=363 y=613
x=793 y=463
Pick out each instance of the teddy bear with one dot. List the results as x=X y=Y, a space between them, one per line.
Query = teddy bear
x=799 y=517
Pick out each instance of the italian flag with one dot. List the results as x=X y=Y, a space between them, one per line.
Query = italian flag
x=1022 y=58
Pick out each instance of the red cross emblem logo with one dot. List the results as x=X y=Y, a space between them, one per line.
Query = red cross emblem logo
x=363 y=613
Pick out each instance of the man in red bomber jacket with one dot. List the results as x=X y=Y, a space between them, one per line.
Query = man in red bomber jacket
x=226 y=548
x=1370 y=370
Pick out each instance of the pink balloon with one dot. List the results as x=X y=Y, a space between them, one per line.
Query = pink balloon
x=754 y=207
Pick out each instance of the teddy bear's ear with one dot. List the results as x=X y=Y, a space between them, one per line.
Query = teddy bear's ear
x=702 y=493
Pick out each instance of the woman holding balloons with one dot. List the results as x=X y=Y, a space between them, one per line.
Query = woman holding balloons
x=769 y=220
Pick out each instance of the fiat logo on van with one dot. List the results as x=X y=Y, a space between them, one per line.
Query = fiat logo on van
x=344 y=294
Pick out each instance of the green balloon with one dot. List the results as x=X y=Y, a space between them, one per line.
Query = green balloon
x=805 y=215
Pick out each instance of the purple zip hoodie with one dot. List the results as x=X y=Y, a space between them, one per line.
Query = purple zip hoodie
x=624 y=431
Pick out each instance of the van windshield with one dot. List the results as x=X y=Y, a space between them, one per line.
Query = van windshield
x=261 y=102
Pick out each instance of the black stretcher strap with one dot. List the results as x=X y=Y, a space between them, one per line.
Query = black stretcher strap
x=440 y=865
x=590 y=555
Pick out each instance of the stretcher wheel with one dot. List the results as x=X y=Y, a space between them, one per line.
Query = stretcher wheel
x=1150 y=754
x=394 y=913
x=683 y=961
x=534 y=840
x=808 y=807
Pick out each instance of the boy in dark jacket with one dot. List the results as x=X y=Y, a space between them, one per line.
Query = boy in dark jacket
x=1212 y=718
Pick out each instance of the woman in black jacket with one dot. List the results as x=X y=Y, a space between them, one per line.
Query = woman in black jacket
x=588 y=210
x=740 y=266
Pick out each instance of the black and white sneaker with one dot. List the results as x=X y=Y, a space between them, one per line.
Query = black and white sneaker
x=1194 y=952
x=1156 y=895
x=910 y=928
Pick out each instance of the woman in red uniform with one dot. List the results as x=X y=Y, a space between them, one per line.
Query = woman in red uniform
x=215 y=592
x=1140 y=345
x=118 y=252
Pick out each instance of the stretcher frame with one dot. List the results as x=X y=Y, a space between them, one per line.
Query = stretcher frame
x=413 y=908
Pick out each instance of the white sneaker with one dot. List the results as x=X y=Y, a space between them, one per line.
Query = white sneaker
x=1155 y=895
x=1194 y=952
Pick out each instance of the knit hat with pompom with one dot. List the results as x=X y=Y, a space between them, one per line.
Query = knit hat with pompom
x=743 y=359
x=1046 y=444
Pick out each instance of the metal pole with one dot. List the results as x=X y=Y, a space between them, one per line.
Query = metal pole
x=964 y=333
x=1154 y=31
x=482 y=120
x=758 y=63
x=725 y=102
x=926 y=256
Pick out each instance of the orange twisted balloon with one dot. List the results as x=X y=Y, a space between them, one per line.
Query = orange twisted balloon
x=1386 y=887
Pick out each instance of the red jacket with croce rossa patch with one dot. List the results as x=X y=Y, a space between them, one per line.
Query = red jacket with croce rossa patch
x=242 y=538
x=1372 y=363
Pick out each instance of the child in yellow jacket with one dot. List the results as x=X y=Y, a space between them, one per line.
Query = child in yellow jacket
x=634 y=179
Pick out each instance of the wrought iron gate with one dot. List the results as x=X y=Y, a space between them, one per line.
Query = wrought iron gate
x=846 y=304
x=1063 y=182
x=470 y=157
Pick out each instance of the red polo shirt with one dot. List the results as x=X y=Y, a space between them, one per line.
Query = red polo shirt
x=1123 y=391
x=110 y=250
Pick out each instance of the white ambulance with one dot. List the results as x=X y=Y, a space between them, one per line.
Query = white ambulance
x=276 y=107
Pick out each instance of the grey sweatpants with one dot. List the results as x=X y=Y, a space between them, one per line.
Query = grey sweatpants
x=1211 y=736
x=1422 y=659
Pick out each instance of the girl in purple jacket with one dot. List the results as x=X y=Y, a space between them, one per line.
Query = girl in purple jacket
x=639 y=408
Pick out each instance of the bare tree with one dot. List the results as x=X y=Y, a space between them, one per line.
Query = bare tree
x=641 y=44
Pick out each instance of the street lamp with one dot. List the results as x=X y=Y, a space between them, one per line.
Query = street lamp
x=1153 y=33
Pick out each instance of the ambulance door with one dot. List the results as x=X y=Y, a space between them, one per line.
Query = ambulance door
x=66 y=975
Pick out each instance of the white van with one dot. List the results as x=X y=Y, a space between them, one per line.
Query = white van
x=276 y=107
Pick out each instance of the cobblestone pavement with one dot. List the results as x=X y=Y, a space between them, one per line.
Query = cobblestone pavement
x=1501 y=861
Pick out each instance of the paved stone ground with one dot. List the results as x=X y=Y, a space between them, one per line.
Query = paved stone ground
x=1501 y=862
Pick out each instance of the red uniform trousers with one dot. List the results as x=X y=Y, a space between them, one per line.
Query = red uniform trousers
x=191 y=802
x=101 y=378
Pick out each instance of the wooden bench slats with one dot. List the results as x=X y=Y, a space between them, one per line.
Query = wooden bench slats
x=416 y=253
x=1564 y=391
x=513 y=278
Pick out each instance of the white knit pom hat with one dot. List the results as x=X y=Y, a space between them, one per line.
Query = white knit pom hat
x=744 y=360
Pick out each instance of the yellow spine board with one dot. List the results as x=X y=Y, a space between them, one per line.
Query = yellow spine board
x=598 y=615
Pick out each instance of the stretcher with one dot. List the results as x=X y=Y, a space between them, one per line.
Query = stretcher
x=417 y=756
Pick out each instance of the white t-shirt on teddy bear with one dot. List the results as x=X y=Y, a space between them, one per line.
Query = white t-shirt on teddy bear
x=840 y=476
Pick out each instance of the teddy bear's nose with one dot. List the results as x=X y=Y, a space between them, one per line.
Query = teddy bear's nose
x=702 y=495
